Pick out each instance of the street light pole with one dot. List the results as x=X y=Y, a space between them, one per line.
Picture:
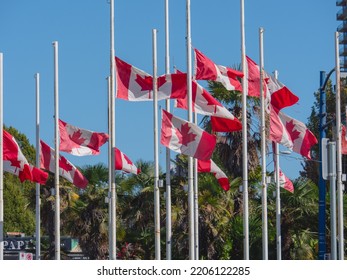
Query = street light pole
x=322 y=183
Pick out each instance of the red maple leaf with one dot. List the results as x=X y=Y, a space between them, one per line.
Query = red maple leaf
x=76 y=140
x=145 y=83
x=294 y=134
x=184 y=136
x=64 y=164
x=15 y=163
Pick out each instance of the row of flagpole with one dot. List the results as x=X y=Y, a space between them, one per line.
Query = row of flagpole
x=192 y=174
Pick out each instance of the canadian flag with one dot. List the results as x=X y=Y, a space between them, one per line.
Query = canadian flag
x=78 y=141
x=210 y=166
x=291 y=133
x=134 y=84
x=281 y=96
x=66 y=169
x=204 y=103
x=186 y=138
x=38 y=175
x=14 y=161
x=206 y=69
x=124 y=163
x=285 y=182
x=253 y=77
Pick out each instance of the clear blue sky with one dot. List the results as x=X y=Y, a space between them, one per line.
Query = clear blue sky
x=298 y=42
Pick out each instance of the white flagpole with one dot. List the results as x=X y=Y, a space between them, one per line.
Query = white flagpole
x=263 y=149
x=113 y=237
x=109 y=98
x=1 y=162
x=338 y=152
x=156 y=151
x=244 y=139
x=168 y=167
x=196 y=202
x=276 y=156
x=190 y=119
x=38 y=199
x=56 y=141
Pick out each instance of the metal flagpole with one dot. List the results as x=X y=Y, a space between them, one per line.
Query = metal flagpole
x=278 y=201
x=276 y=156
x=156 y=151
x=332 y=181
x=109 y=98
x=113 y=237
x=263 y=149
x=190 y=119
x=338 y=152
x=168 y=168
x=196 y=202
x=244 y=139
x=56 y=141
x=1 y=162
x=38 y=199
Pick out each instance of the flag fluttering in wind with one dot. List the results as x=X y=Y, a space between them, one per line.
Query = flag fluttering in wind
x=204 y=103
x=281 y=96
x=285 y=182
x=66 y=169
x=38 y=175
x=78 y=141
x=206 y=69
x=134 y=84
x=13 y=158
x=254 y=80
x=124 y=163
x=186 y=138
x=291 y=133
x=210 y=166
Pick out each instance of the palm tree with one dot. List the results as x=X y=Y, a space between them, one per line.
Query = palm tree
x=136 y=204
x=299 y=211
x=86 y=215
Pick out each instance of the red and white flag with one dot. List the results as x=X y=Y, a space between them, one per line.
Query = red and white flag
x=78 y=141
x=285 y=182
x=134 y=84
x=204 y=103
x=14 y=161
x=291 y=133
x=125 y=164
x=186 y=138
x=38 y=175
x=253 y=78
x=206 y=69
x=66 y=169
x=281 y=96
x=210 y=166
